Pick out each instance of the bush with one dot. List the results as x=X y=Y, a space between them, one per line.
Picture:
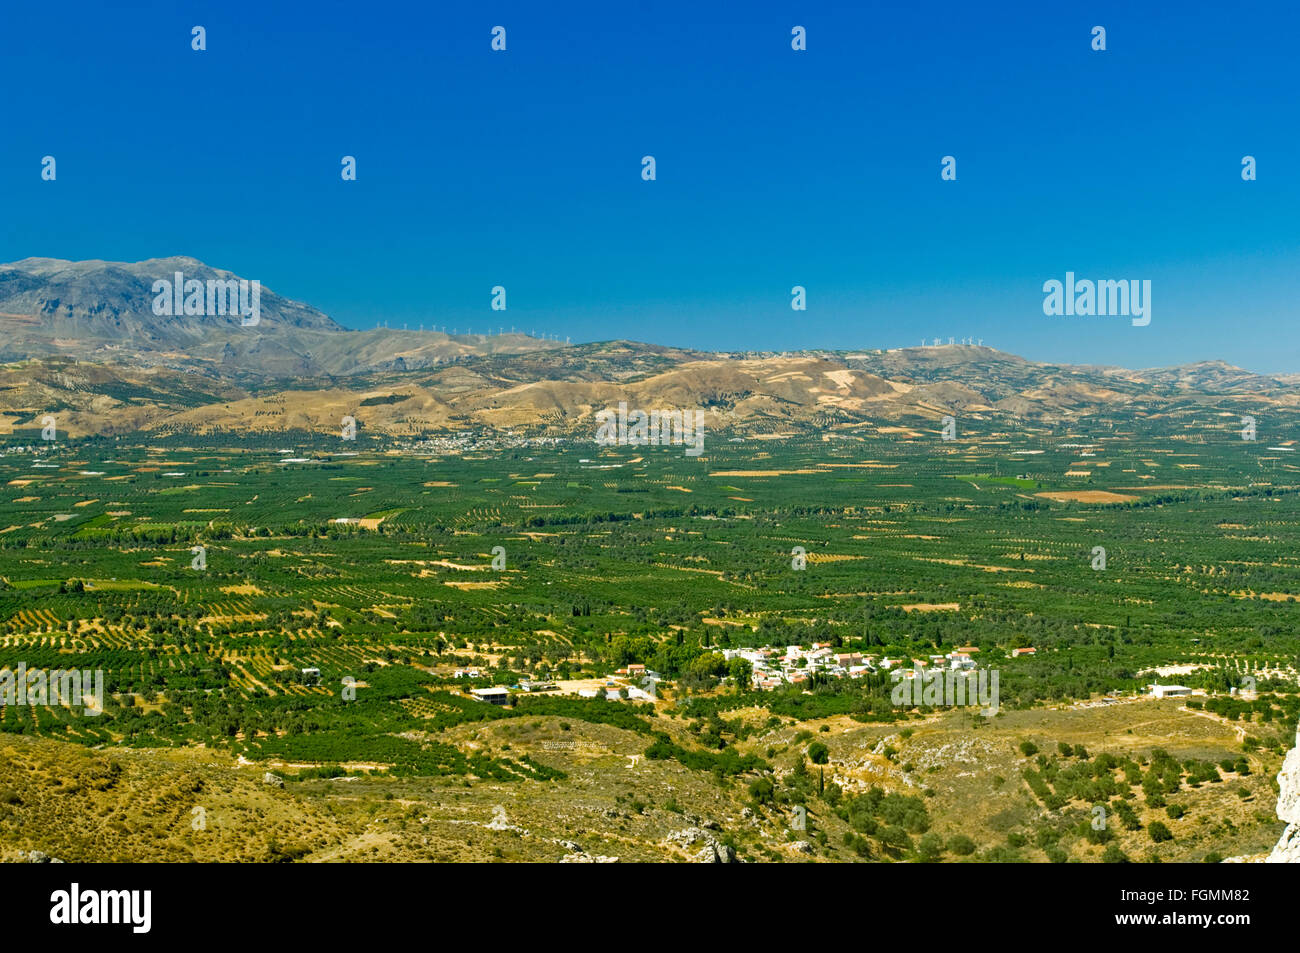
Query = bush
x=1159 y=832
x=961 y=845
x=930 y=848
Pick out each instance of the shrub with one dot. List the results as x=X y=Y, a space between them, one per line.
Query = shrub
x=961 y=845
x=1159 y=832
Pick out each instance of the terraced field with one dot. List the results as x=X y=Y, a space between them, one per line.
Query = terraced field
x=201 y=579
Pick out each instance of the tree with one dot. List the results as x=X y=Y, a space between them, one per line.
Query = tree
x=929 y=849
x=1159 y=832
x=762 y=790
x=961 y=845
x=818 y=753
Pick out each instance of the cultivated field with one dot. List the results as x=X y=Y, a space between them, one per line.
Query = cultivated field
x=396 y=568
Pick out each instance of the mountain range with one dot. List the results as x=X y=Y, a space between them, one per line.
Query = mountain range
x=103 y=311
x=81 y=340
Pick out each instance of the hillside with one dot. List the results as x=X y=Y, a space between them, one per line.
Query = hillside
x=83 y=342
x=104 y=311
x=558 y=392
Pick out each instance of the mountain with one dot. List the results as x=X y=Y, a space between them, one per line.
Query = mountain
x=81 y=340
x=104 y=311
x=559 y=391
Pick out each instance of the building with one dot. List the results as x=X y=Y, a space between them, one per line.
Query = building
x=1016 y=653
x=493 y=696
x=960 y=661
x=1169 y=691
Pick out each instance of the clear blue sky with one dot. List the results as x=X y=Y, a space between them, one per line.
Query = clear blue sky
x=775 y=168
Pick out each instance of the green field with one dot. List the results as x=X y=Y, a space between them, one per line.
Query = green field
x=633 y=555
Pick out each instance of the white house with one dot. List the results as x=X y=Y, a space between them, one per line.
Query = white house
x=960 y=661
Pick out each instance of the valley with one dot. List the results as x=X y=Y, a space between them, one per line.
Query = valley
x=373 y=563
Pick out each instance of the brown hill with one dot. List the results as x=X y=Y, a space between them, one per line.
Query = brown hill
x=105 y=311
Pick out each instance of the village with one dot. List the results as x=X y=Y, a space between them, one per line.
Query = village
x=771 y=667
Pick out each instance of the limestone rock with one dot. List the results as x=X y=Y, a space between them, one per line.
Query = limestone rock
x=713 y=851
x=587 y=859
x=40 y=857
x=1287 y=850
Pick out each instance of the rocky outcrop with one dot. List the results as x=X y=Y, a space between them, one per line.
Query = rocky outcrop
x=1287 y=850
x=713 y=851
x=584 y=858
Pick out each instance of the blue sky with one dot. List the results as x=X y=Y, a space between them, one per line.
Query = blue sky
x=775 y=168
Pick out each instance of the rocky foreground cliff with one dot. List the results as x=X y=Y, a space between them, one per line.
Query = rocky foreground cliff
x=1287 y=850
